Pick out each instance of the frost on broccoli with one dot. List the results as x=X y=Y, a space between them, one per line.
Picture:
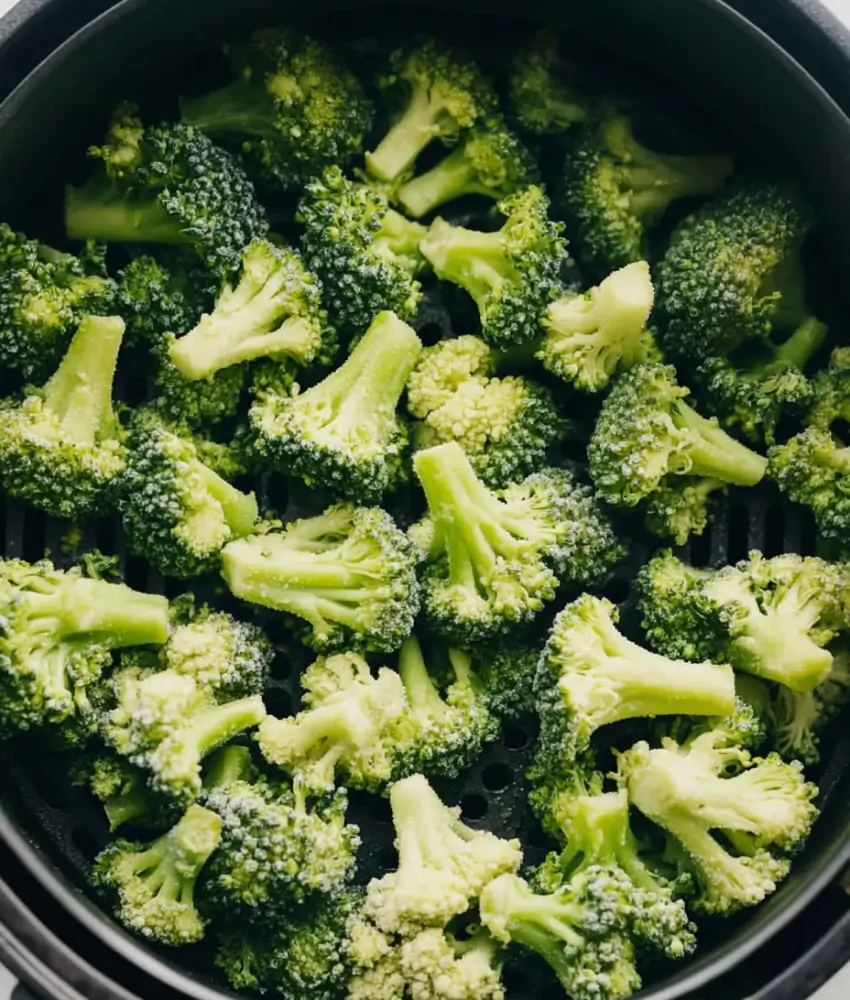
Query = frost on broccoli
x=122 y=790
x=440 y=965
x=541 y=101
x=295 y=107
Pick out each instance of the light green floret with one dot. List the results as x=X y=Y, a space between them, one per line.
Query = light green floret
x=495 y=559
x=344 y=433
x=505 y=425
x=437 y=965
x=122 y=790
x=61 y=448
x=154 y=884
x=345 y=726
x=541 y=101
x=682 y=506
x=646 y=432
x=592 y=335
x=272 y=310
x=762 y=807
x=348 y=577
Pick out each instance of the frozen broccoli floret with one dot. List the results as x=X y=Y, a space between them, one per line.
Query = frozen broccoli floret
x=541 y=101
x=437 y=965
x=344 y=433
x=155 y=298
x=592 y=335
x=61 y=447
x=505 y=425
x=512 y=274
x=122 y=789
x=348 y=577
x=831 y=391
x=438 y=94
x=154 y=884
x=682 y=506
x=496 y=558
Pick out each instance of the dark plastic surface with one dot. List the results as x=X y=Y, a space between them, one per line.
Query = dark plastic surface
x=764 y=96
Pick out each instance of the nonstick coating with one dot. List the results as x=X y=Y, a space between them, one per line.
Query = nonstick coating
x=730 y=83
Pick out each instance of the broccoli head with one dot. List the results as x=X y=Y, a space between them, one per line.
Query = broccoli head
x=505 y=425
x=496 y=558
x=344 y=432
x=512 y=274
x=439 y=965
x=592 y=335
x=439 y=94
x=831 y=391
x=542 y=103
x=61 y=447
x=507 y=671
x=682 y=506
x=155 y=298
x=122 y=790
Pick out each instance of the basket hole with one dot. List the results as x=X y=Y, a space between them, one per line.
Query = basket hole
x=617 y=591
x=774 y=531
x=474 y=806
x=516 y=738
x=538 y=838
x=496 y=777
x=739 y=534
x=278 y=702
x=699 y=548
x=86 y=843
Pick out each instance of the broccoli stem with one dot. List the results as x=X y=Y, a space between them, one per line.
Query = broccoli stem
x=452 y=178
x=229 y=765
x=399 y=239
x=240 y=509
x=170 y=866
x=80 y=391
x=474 y=260
x=422 y=693
x=713 y=453
x=215 y=726
x=427 y=833
x=133 y=802
x=778 y=648
x=800 y=347
x=408 y=136
x=786 y=283
x=94 y=213
x=243 y=107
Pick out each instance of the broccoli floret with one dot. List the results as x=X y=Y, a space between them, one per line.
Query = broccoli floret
x=615 y=189
x=365 y=254
x=61 y=447
x=193 y=403
x=229 y=657
x=272 y=310
x=490 y=161
x=437 y=965
x=154 y=884
x=754 y=391
x=732 y=274
x=347 y=718
x=682 y=506
x=348 y=576
x=592 y=335
x=512 y=274
x=496 y=558
x=176 y=188
x=376 y=962
x=831 y=391
x=295 y=107
x=275 y=850
x=440 y=733
x=507 y=672
x=177 y=511
x=443 y=863
x=505 y=425
x=344 y=433
x=581 y=930
x=591 y=675
x=762 y=806
x=155 y=299
x=167 y=723
x=59 y=628
x=44 y=295
x=439 y=93
x=647 y=435
x=122 y=789
x=304 y=956
x=541 y=101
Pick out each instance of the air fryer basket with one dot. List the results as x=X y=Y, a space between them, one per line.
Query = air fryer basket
x=750 y=96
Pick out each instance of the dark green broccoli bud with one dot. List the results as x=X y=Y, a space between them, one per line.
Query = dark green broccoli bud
x=443 y=864
x=59 y=628
x=344 y=433
x=732 y=273
x=831 y=392
x=762 y=807
x=646 y=432
x=490 y=161
x=346 y=725
x=582 y=930
x=507 y=672
x=273 y=310
x=155 y=299
x=441 y=732
x=439 y=94
x=681 y=506
x=154 y=884
x=177 y=511
x=348 y=577
x=440 y=965
x=592 y=335
x=615 y=189
x=304 y=957
x=294 y=105
x=275 y=850
x=512 y=274
x=44 y=295
x=752 y=393
x=496 y=558
x=122 y=789
x=167 y=723
x=505 y=425
x=591 y=675
x=541 y=101
x=61 y=447
x=194 y=402
x=177 y=188
x=229 y=657
x=365 y=254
